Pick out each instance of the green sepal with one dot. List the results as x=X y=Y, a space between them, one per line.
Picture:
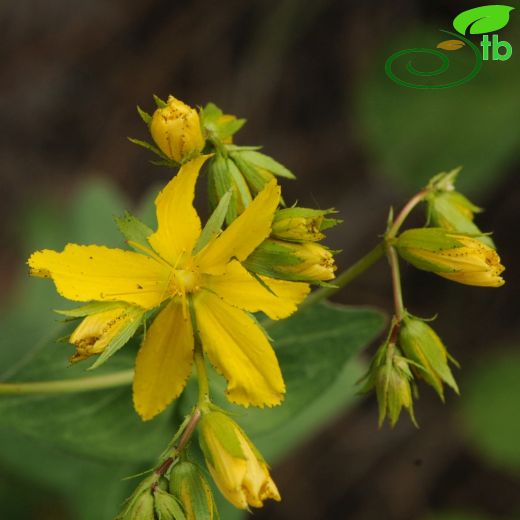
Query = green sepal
x=225 y=430
x=240 y=183
x=253 y=177
x=159 y=102
x=133 y=320
x=140 y=505
x=145 y=116
x=220 y=182
x=426 y=239
x=214 y=224
x=166 y=506
x=261 y=160
x=90 y=308
x=148 y=146
x=133 y=229
x=187 y=481
x=421 y=344
x=210 y=116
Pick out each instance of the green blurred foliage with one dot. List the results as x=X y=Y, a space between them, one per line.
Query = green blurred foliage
x=490 y=406
x=410 y=134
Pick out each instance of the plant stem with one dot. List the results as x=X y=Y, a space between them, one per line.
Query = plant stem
x=346 y=276
x=177 y=449
x=64 y=386
x=202 y=376
x=393 y=260
x=407 y=208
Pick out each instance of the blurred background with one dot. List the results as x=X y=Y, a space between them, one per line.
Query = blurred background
x=309 y=77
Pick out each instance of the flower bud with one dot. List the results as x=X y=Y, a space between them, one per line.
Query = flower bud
x=292 y=261
x=301 y=224
x=189 y=485
x=454 y=256
x=238 y=469
x=390 y=375
x=176 y=130
x=140 y=506
x=224 y=176
x=97 y=331
x=420 y=344
x=452 y=211
x=167 y=507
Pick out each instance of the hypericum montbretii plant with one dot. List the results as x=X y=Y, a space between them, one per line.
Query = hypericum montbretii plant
x=189 y=290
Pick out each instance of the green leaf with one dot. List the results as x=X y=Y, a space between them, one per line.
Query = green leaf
x=100 y=424
x=159 y=102
x=268 y=163
x=490 y=403
x=484 y=19
x=133 y=229
x=214 y=223
x=90 y=490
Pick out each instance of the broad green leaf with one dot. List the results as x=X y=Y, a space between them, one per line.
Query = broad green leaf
x=490 y=402
x=484 y=19
x=133 y=229
x=214 y=223
x=87 y=489
x=100 y=424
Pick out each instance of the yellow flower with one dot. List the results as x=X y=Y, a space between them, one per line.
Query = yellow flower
x=172 y=270
x=97 y=331
x=176 y=130
x=454 y=256
x=237 y=468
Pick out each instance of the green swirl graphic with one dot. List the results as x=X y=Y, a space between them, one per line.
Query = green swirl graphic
x=444 y=65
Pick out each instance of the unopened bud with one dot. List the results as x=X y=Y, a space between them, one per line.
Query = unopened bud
x=190 y=487
x=421 y=345
x=454 y=256
x=176 y=130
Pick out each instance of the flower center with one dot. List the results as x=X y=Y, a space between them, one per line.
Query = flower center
x=185 y=281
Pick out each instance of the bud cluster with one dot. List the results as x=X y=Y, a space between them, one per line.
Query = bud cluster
x=292 y=252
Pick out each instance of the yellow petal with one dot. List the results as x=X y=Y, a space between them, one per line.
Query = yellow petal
x=164 y=361
x=178 y=225
x=85 y=273
x=239 y=349
x=243 y=235
x=237 y=287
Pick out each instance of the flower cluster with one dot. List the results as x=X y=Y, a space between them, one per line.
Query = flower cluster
x=191 y=292
x=454 y=248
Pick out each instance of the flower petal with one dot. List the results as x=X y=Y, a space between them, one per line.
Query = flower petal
x=164 y=361
x=178 y=225
x=243 y=235
x=239 y=288
x=85 y=273
x=239 y=349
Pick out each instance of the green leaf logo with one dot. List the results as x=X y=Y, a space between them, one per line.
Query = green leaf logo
x=485 y=19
